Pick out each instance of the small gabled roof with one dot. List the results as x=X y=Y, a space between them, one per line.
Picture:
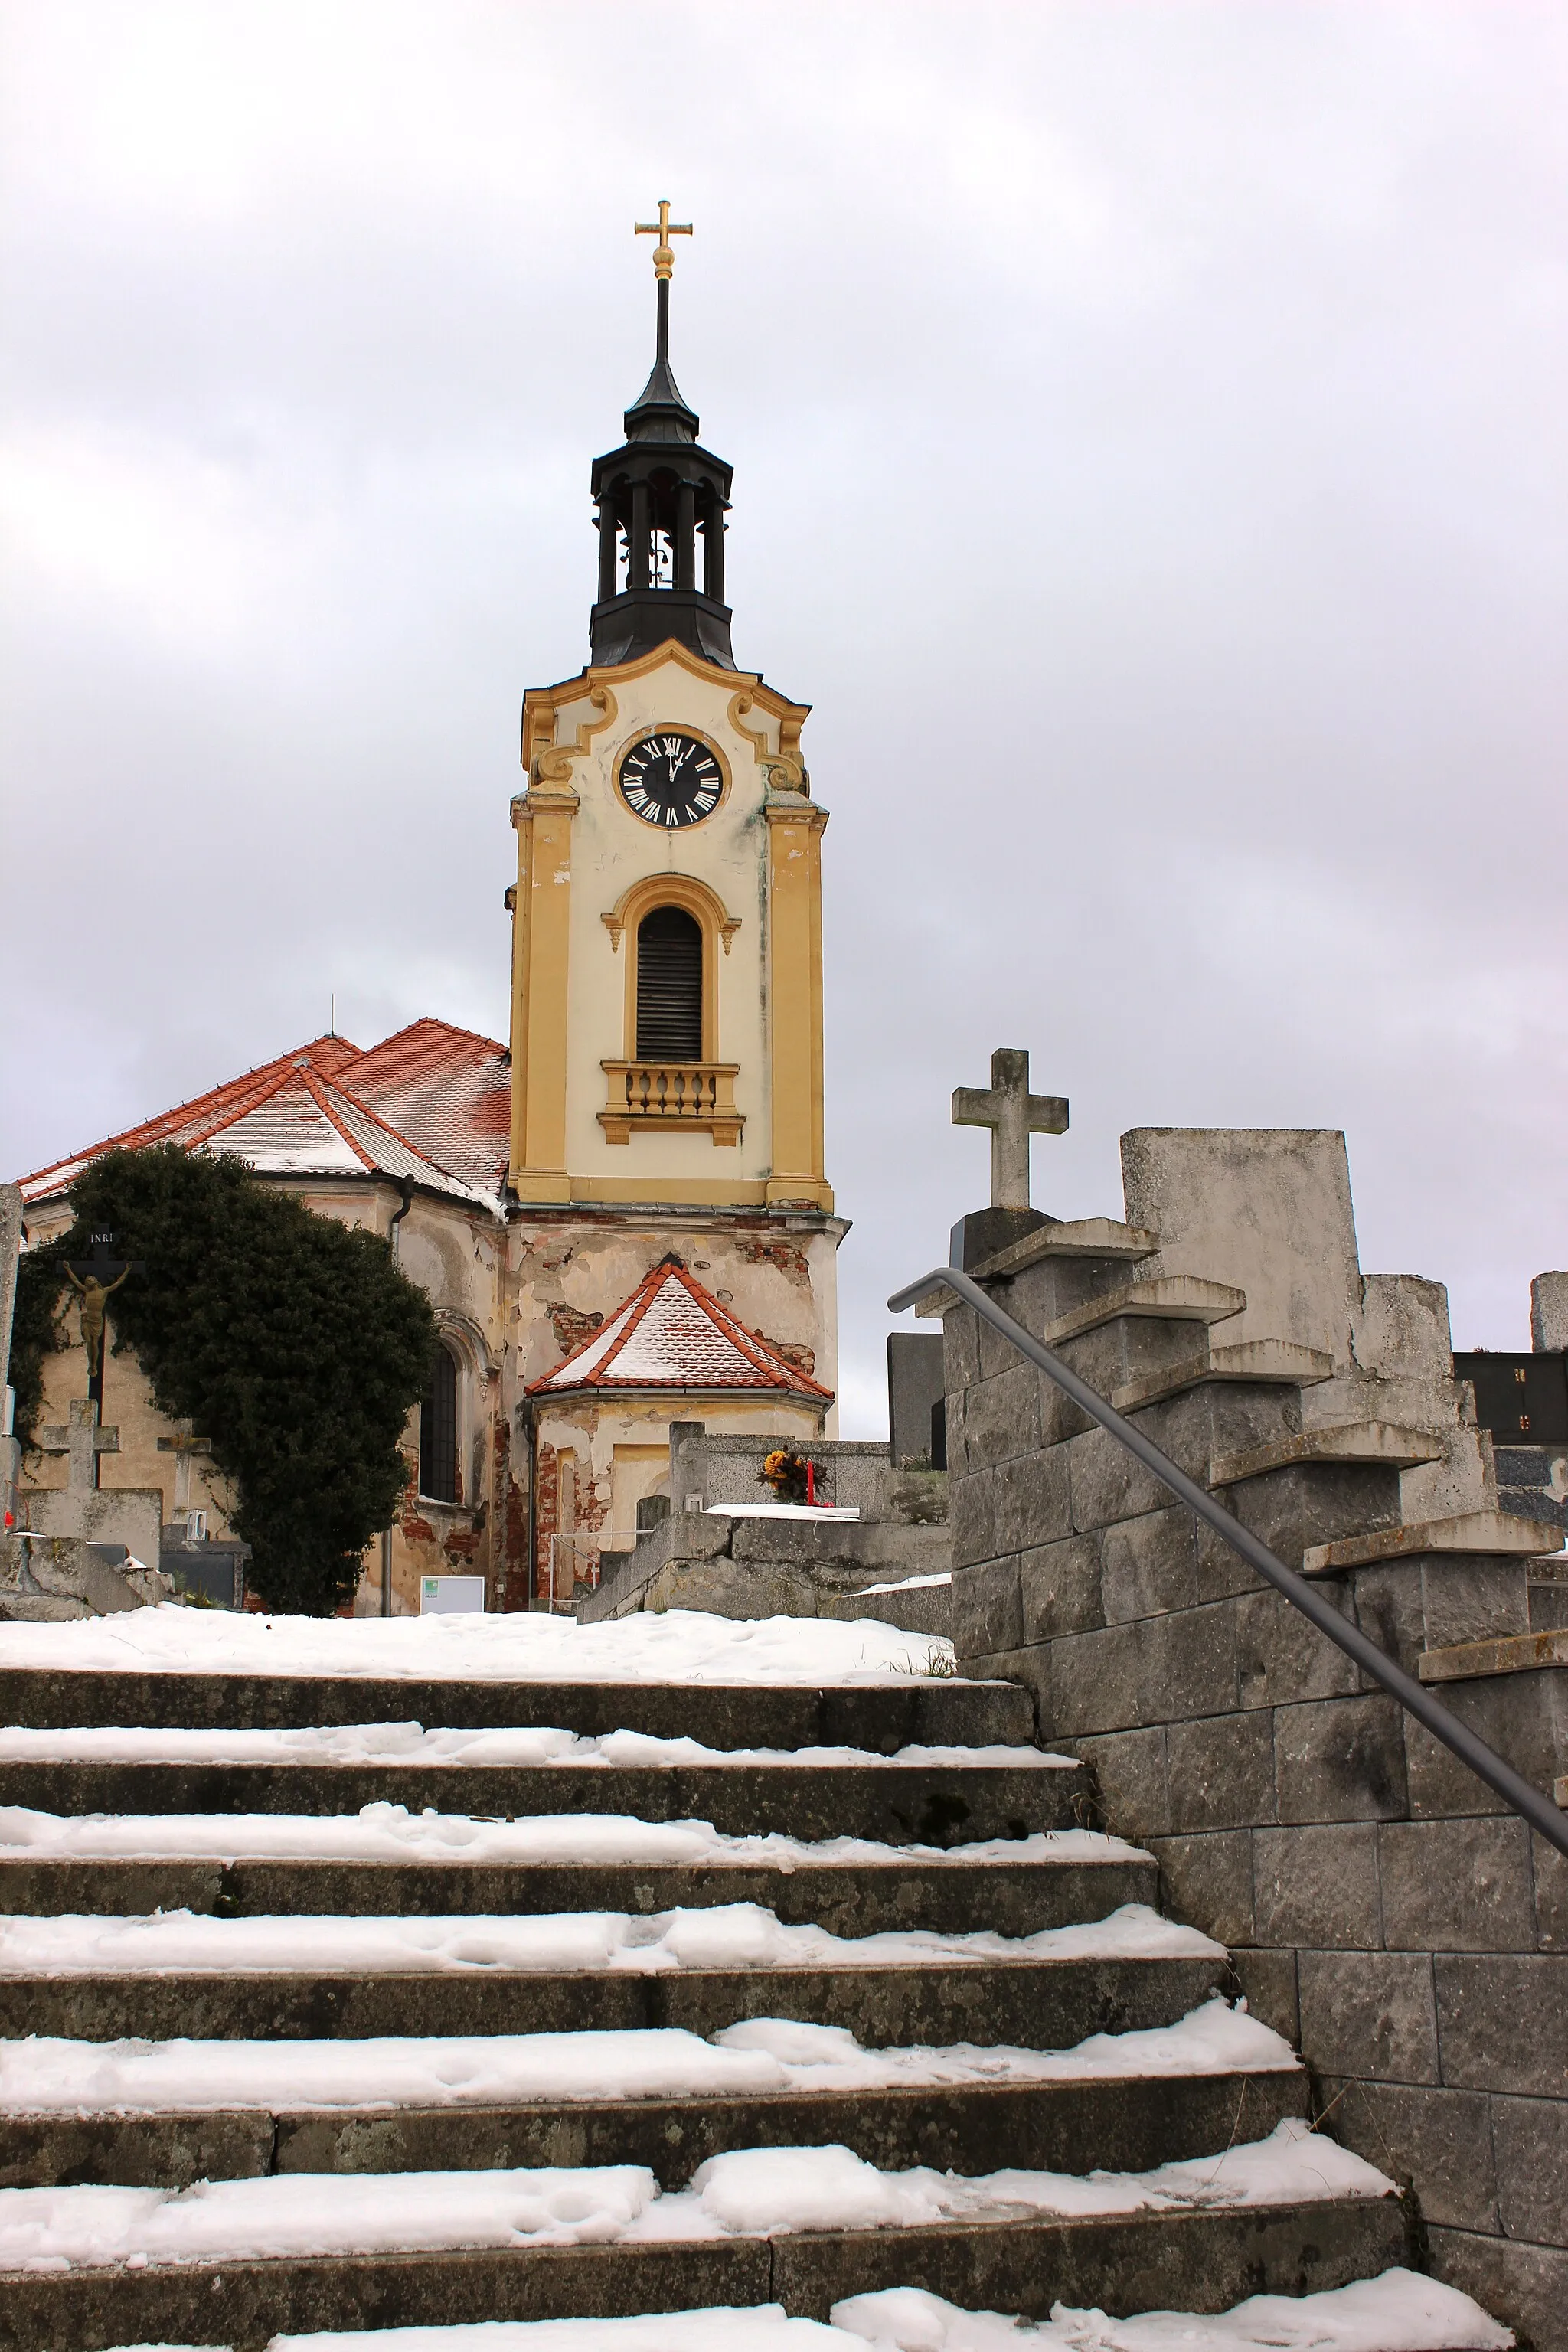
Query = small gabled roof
x=673 y=1334
x=431 y=1103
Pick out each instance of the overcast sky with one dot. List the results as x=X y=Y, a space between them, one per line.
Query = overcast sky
x=1148 y=432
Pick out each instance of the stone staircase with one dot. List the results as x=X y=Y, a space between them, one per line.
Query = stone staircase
x=382 y=2036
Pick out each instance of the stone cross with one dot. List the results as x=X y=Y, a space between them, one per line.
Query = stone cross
x=182 y=1446
x=1013 y=1114
x=82 y=1441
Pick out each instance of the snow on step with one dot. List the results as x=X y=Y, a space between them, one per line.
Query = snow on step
x=410 y=1743
x=762 y=2327
x=677 y=1645
x=727 y=1935
x=1399 y=2312
x=387 y=1832
x=747 y=2193
x=45 y=2076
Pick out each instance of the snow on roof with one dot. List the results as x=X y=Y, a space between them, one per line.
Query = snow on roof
x=431 y=1102
x=447 y=1091
x=673 y=1334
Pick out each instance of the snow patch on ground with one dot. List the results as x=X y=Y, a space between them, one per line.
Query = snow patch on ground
x=748 y=2191
x=727 y=1935
x=46 y=2076
x=677 y=1645
x=385 y=1832
x=410 y=1743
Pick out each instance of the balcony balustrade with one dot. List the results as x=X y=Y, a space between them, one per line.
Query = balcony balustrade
x=651 y=1097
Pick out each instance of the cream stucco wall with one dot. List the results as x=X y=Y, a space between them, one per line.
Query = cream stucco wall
x=612 y=849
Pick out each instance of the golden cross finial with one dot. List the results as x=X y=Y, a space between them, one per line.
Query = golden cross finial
x=663 y=228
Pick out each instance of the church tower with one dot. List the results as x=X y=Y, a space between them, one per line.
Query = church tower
x=667 y=1017
x=667 y=966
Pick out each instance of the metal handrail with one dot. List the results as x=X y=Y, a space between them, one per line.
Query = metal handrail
x=1547 y=1819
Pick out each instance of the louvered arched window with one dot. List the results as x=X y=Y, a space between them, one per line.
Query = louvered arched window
x=438 y=1428
x=669 y=986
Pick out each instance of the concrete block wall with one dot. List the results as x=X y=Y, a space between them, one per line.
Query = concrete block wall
x=1380 y=1907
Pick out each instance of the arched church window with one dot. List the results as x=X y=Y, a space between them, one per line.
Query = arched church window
x=669 y=986
x=438 y=1428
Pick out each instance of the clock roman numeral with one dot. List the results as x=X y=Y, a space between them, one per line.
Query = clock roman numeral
x=671 y=780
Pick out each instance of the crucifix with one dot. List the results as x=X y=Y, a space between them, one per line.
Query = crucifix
x=81 y=1441
x=1013 y=1114
x=92 y=1275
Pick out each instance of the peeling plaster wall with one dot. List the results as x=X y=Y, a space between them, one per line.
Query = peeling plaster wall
x=512 y=1301
x=571 y=1270
x=457 y=1256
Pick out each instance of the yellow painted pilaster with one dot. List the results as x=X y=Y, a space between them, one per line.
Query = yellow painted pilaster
x=541 y=933
x=795 y=826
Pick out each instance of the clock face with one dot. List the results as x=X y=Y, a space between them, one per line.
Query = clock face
x=670 y=779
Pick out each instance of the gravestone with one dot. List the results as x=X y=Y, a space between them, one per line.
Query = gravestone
x=917 y=1401
x=86 y=1552
x=1549 y=1311
x=82 y=1510
x=1268 y=1211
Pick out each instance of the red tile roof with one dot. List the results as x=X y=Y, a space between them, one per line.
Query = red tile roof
x=449 y=1091
x=671 y=1333
x=432 y=1102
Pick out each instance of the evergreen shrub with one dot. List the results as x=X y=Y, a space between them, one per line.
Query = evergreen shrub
x=294 y=1344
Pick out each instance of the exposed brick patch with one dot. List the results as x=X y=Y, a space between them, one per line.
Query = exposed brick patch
x=511 y=1513
x=789 y=1261
x=573 y=1325
x=803 y=1359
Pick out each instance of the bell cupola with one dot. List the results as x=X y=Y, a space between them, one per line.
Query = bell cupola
x=661 y=500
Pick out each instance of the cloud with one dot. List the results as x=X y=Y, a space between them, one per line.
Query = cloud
x=1147 y=458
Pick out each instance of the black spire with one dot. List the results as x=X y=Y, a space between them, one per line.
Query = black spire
x=655 y=494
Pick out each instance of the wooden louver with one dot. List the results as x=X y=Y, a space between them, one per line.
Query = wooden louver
x=670 y=987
